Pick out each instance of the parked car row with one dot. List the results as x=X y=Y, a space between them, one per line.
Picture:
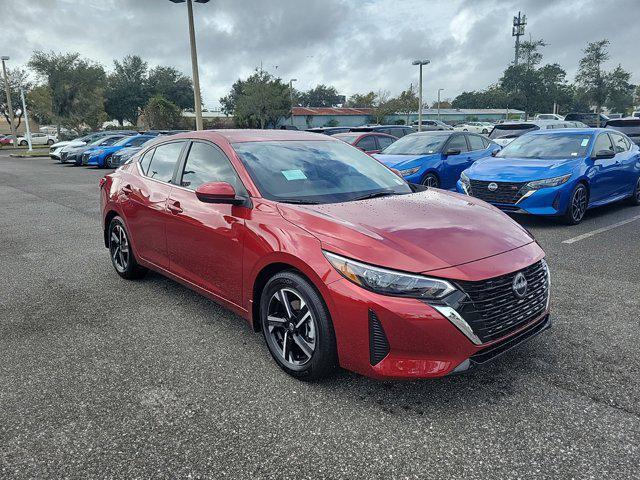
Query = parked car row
x=36 y=139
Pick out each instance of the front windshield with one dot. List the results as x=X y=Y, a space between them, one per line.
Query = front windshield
x=554 y=145
x=417 y=144
x=316 y=171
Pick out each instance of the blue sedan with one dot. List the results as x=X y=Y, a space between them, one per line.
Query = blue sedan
x=558 y=173
x=436 y=158
x=99 y=156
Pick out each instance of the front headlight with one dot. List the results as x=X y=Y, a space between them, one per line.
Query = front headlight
x=390 y=282
x=410 y=171
x=547 y=182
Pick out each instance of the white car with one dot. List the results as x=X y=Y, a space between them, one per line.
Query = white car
x=548 y=116
x=475 y=127
x=38 y=139
x=505 y=133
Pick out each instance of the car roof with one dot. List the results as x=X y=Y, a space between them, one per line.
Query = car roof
x=582 y=131
x=249 y=135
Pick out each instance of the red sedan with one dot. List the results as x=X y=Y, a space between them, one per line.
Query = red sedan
x=333 y=257
x=367 y=142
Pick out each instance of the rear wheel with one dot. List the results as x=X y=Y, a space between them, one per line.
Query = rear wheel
x=23 y=143
x=635 y=198
x=122 y=257
x=430 y=180
x=49 y=142
x=297 y=327
x=577 y=205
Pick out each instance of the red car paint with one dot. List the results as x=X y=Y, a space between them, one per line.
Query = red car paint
x=220 y=251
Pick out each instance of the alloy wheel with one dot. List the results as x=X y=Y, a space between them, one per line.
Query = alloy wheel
x=638 y=191
x=579 y=204
x=291 y=327
x=430 y=181
x=119 y=248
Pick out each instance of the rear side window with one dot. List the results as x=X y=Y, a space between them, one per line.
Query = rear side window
x=207 y=163
x=476 y=143
x=367 y=143
x=164 y=161
x=384 y=142
x=146 y=160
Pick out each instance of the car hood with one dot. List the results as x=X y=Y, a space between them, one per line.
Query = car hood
x=417 y=232
x=401 y=161
x=519 y=169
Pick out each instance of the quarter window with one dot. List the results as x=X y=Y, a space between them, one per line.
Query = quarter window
x=476 y=142
x=206 y=163
x=146 y=160
x=164 y=161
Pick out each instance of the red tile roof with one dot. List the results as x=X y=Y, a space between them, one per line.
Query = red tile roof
x=330 y=111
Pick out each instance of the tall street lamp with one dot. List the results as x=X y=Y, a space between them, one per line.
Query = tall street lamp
x=291 y=94
x=194 y=60
x=9 y=104
x=439 y=90
x=421 y=63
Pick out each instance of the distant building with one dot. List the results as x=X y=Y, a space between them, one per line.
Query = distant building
x=308 y=117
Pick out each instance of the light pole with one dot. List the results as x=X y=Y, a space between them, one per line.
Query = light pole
x=439 y=90
x=421 y=63
x=194 y=60
x=9 y=104
x=291 y=96
x=26 y=119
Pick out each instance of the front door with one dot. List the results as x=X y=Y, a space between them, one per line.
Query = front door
x=604 y=172
x=205 y=240
x=455 y=164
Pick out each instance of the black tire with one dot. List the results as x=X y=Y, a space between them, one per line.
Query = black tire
x=107 y=162
x=430 y=180
x=578 y=203
x=484 y=131
x=125 y=264
x=635 y=198
x=324 y=358
x=23 y=143
x=49 y=142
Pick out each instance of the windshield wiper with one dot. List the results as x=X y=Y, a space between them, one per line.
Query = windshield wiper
x=300 y=202
x=383 y=193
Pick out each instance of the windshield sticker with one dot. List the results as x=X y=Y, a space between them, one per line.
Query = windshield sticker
x=294 y=174
x=585 y=142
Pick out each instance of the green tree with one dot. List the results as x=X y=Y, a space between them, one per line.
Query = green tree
x=320 y=96
x=406 y=103
x=619 y=91
x=383 y=106
x=160 y=113
x=358 y=100
x=76 y=85
x=259 y=101
x=171 y=84
x=591 y=76
x=126 y=92
x=529 y=54
x=17 y=78
x=637 y=97
x=39 y=103
x=555 y=88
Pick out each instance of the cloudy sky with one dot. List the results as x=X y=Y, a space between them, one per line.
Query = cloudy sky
x=355 y=45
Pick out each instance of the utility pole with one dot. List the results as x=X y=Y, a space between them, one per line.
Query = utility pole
x=9 y=104
x=439 y=90
x=519 y=23
x=291 y=96
x=194 y=61
x=421 y=63
x=26 y=119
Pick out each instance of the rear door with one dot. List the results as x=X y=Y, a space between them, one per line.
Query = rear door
x=477 y=148
x=145 y=203
x=205 y=240
x=626 y=176
x=455 y=164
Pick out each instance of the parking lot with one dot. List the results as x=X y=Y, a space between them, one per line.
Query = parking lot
x=107 y=378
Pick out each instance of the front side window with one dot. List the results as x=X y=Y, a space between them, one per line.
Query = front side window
x=458 y=143
x=603 y=142
x=206 y=163
x=384 y=142
x=367 y=143
x=164 y=161
x=316 y=171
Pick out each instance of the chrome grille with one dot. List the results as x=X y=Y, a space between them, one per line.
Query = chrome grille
x=492 y=308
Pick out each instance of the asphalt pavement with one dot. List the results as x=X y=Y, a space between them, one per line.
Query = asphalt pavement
x=106 y=378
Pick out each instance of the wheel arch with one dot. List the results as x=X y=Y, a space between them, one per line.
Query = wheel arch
x=111 y=214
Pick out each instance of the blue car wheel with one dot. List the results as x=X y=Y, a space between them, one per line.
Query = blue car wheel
x=430 y=180
x=578 y=204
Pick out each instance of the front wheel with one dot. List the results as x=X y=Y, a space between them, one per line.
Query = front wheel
x=297 y=327
x=122 y=257
x=49 y=142
x=635 y=198
x=23 y=143
x=430 y=180
x=484 y=131
x=577 y=205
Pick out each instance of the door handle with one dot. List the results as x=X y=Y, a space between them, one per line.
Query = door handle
x=174 y=208
x=127 y=190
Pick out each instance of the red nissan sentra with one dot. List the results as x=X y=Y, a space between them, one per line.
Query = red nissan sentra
x=336 y=259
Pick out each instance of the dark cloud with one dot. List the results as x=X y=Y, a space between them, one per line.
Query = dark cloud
x=355 y=45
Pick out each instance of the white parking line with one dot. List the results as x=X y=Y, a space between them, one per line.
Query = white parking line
x=601 y=230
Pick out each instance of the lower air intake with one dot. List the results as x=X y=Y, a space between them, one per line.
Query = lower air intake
x=378 y=343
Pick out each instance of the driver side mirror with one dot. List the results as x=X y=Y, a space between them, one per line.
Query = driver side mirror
x=495 y=152
x=218 y=192
x=603 y=154
x=452 y=151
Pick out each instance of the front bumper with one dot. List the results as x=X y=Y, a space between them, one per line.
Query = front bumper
x=401 y=338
